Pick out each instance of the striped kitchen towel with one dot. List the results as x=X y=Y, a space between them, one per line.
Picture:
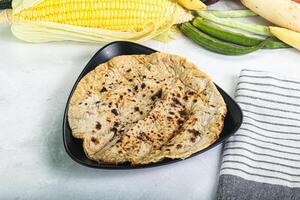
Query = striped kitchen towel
x=262 y=160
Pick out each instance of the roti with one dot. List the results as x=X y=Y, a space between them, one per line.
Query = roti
x=144 y=108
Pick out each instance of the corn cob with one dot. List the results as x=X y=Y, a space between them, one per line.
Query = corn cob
x=93 y=20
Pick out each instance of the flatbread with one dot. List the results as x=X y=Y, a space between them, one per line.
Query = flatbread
x=144 y=108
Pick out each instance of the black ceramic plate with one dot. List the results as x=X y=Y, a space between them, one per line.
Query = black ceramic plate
x=73 y=146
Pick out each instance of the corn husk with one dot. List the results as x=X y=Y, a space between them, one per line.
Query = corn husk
x=45 y=31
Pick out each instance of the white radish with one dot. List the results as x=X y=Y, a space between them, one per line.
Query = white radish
x=284 y=13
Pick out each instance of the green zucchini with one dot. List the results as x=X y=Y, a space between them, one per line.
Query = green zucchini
x=216 y=45
x=231 y=13
x=252 y=28
x=236 y=38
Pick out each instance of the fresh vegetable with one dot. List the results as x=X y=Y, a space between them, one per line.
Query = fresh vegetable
x=220 y=40
x=93 y=21
x=192 y=4
x=236 y=38
x=285 y=13
x=290 y=37
x=253 y=28
x=216 y=45
x=232 y=13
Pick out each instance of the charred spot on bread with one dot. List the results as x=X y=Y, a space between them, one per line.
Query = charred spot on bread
x=103 y=90
x=157 y=95
x=115 y=111
x=143 y=85
x=98 y=126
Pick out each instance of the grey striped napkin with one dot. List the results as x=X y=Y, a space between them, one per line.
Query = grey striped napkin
x=262 y=160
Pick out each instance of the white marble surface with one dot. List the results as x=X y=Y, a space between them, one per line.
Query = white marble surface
x=35 y=81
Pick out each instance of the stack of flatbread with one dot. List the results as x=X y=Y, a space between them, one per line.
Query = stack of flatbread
x=144 y=108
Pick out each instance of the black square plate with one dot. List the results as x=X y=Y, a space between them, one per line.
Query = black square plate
x=74 y=147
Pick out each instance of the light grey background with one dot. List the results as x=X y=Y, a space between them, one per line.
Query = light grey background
x=35 y=81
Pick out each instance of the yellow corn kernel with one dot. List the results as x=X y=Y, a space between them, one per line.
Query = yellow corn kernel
x=118 y=15
x=95 y=20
